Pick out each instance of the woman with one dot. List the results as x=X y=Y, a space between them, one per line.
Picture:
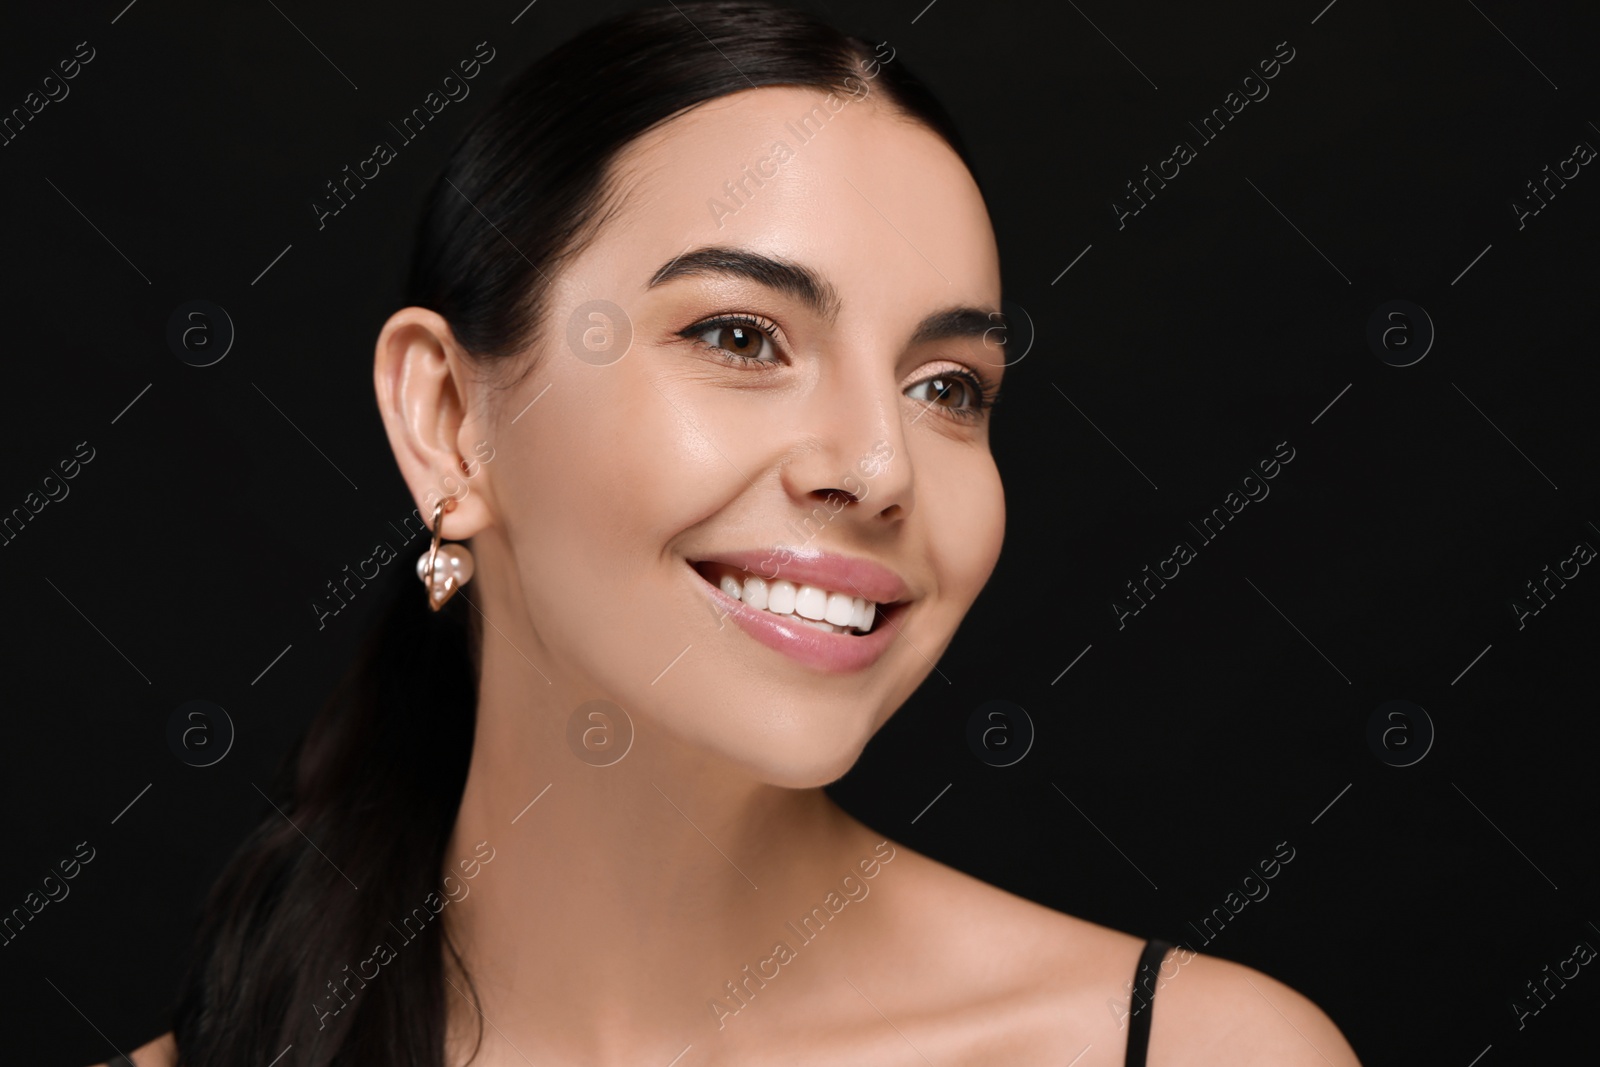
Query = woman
x=699 y=358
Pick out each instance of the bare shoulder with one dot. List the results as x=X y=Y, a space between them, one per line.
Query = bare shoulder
x=986 y=975
x=1056 y=985
x=994 y=920
x=162 y=1052
x=1210 y=1011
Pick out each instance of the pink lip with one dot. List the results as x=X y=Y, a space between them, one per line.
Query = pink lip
x=836 y=653
x=841 y=574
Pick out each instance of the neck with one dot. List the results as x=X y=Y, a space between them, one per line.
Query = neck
x=620 y=900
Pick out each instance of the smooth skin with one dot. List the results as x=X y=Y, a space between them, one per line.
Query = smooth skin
x=621 y=899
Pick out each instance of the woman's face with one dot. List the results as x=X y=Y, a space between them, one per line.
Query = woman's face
x=670 y=456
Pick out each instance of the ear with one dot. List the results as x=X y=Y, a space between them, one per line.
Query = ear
x=424 y=398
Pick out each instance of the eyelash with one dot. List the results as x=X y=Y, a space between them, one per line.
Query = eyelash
x=986 y=396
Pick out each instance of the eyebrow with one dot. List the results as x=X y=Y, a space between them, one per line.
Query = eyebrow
x=811 y=289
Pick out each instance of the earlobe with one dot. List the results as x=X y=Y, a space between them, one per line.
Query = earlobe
x=419 y=376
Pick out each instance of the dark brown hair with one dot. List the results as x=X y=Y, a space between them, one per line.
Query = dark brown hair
x=377 y=780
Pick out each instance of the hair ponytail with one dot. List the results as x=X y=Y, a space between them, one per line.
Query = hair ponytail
x=291 y=931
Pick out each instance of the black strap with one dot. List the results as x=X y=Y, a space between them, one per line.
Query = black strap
x=1142 y=1000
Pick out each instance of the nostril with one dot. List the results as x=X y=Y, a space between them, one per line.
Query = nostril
x=827 y=495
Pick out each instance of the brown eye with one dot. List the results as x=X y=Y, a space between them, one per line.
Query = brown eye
x=948 y=391
x=741 y=340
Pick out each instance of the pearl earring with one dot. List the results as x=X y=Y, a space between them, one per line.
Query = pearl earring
x=443 y=568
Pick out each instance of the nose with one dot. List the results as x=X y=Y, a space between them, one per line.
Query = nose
x=853 y=444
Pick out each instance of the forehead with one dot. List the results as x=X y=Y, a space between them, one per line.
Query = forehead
x=880 y=206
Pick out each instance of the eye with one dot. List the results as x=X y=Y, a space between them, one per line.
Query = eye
x=960 y=394
x=740 y=339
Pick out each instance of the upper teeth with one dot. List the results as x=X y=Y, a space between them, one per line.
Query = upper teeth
x=783 y=597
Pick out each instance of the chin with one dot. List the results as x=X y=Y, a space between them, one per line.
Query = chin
x=805 y=750
x=821 y=768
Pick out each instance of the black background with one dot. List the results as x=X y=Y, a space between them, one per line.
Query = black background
x=1227 y=716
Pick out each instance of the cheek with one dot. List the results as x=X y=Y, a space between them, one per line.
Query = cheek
x=624 y=460
x=966 y=525
x=594 y=487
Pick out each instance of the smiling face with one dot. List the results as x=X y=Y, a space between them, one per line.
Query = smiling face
x=798 y=426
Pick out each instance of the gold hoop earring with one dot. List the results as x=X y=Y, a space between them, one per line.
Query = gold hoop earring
x=443 y=568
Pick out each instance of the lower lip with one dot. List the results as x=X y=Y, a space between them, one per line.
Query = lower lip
x=823 y=651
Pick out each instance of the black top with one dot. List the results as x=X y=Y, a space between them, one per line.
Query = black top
x=119 y=1060
x=1142 y=1000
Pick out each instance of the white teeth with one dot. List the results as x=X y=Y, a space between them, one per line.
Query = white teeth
x=810 y=602
x=812 y=605
x=781 y=597
x=841 y=609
